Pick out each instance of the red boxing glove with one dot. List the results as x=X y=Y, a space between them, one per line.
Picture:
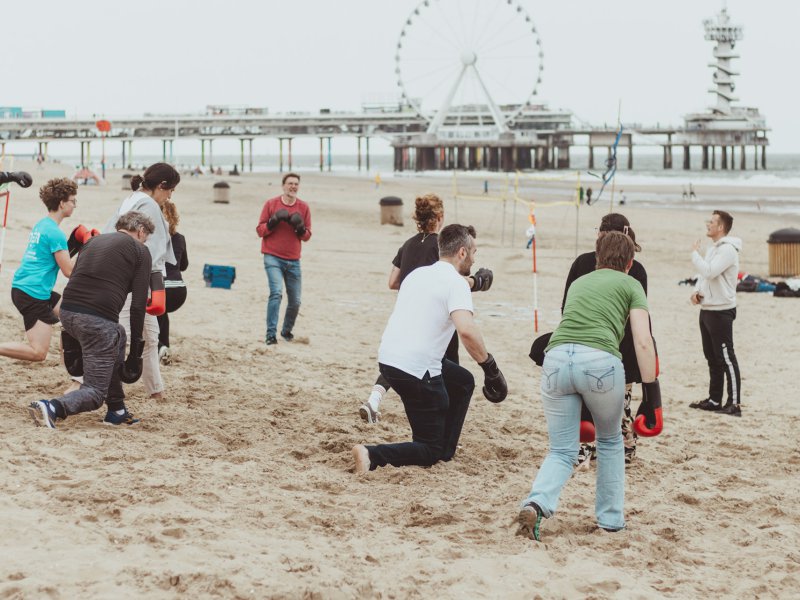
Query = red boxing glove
x=587 y=425
x=587 y=432
x=649 y=421
x=157 y=302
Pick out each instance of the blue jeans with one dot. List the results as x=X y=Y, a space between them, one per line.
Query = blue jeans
x=280 y=270
x=571 y=373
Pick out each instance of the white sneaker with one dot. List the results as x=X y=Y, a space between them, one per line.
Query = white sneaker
x=165 y=355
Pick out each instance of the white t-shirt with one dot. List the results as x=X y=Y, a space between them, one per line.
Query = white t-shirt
x=420 y=328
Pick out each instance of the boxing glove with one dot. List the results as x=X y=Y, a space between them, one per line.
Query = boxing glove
x=649 y=421
x=587 y=425
x=79 y=236
x=21 y=178
x=495 y=388
x=281 y=215
x=299 y=225
x=157 y=302
x=131 y=369
x=482 y=280
x=73 y=354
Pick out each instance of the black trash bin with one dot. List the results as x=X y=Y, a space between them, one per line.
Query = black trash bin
x=391 y=211
x=784 y=252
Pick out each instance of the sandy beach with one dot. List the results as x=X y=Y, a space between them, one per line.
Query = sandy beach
x=239 y=483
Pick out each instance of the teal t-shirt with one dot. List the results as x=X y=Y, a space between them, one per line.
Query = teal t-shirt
x=37 y=273
x=597 y=309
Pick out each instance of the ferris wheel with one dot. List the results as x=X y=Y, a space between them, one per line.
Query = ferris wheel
x=457 y=56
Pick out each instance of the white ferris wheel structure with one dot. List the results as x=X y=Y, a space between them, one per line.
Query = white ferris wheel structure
x=468 y=61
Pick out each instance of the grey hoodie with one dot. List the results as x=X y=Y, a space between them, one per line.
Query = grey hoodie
x=159 y=242
x=717 y=274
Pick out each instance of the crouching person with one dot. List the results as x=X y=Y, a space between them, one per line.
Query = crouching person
x=109 y=267
x=433 y=303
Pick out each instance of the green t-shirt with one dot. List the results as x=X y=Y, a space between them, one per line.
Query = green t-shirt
x=597 y=309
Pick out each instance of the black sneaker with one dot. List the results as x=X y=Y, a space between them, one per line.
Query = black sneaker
x=271 y=340
x=287 y=336
x=42 y=414
x=112 y=418
x=731 y=409
x=529 y=519
x=707 y=404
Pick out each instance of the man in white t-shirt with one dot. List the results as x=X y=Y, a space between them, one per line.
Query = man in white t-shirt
x=433 y=302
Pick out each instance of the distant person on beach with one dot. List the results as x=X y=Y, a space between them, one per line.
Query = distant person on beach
x=715 y=293
x=583 y=265
x=692 y=195
x=582 y=365
x=150 y=192
x=113 y=269
x=284 y=223
x=174 y=284
x=421 y=250
x=46 y=254
x=433 y=303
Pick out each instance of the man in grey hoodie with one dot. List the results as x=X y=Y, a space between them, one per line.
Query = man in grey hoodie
x=715 y=292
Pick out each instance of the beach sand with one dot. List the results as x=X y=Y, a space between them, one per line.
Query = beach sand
x=239 y=483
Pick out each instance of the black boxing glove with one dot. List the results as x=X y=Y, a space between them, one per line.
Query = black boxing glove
x=482 y=280
x=495 y=388
x=297 y=222
x=73 y=354
x=281 y=215
x=131 y=370
x=21 y=178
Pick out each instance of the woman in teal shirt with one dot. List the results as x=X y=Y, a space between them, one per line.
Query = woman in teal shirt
x=32 y=287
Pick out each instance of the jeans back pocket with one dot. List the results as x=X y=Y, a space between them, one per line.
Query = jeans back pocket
x=549 y=379
x=600 y=381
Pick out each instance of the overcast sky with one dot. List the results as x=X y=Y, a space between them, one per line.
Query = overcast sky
x=127 y=58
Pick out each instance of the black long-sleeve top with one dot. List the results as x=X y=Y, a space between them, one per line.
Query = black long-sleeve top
x=181 y=259
x=109 y=267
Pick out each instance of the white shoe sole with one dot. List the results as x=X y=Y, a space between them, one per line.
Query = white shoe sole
x=368 y=415
x=38 y=413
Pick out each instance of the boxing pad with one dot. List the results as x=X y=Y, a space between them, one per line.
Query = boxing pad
x=587 y=425
x=299 y=225
x=131 y=370
x=21 y=178
x=649 y=421
x=157 y=302
x=495 y=388
x=538 y=346
x=281 y=215
x=482 y=280
x=73 y=354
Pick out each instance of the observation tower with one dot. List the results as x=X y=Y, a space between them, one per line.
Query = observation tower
x=724 y=125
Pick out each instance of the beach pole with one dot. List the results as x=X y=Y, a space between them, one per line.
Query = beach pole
x=280 y=154
x=329 y=154
x=577 y=208
x=366 y=143
x=532 y=219
x=321 y=155
x=358 y=140
x=7 y=194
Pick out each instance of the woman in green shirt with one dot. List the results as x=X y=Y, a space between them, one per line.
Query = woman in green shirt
x=583 y=364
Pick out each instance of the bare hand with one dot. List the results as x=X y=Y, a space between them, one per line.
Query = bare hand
x=695 y=298
x=696 y=246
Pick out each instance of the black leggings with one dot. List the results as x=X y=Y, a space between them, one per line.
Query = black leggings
x=175 y=298
x=450 y=354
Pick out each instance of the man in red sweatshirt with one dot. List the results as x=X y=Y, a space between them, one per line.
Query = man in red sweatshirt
x=285 y=222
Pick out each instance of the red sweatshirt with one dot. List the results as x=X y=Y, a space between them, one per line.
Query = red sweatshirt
x=282 y=241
